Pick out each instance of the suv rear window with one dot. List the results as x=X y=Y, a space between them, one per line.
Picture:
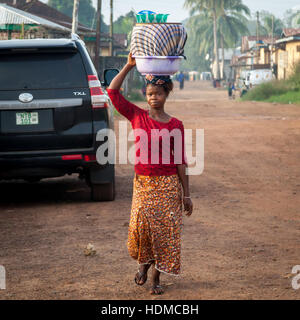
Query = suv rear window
x=44 y=70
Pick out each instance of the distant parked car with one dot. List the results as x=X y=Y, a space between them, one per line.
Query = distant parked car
x=52 y=105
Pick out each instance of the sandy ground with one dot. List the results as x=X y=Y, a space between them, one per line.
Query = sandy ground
x=240 y=243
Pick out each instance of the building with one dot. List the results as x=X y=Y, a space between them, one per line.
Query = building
x=35 y=19
x=17 y=24
x=255 y=54
x=287 y=52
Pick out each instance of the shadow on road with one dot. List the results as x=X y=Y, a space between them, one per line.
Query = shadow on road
x=46 y=191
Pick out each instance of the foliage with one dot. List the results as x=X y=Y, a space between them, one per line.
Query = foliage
x=124 y=24
x=213 y=9
x=195 y=60
x=86 y=12
x=266 y=18
x=233 y=21
x=294 y=79
x=281 y=91
x=267 y=89
x=286 y=98
x=292 y=18
x=231 y=25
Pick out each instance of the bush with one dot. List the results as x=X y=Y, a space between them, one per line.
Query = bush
x=288 y=97
x=267 y=90
x=294 y=79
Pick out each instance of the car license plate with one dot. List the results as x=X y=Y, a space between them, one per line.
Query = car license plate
x=27 y=118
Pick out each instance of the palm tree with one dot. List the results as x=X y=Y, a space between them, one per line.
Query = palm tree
x=231 y=25
x=213 y=8
x=267 y=24
x=295 y=19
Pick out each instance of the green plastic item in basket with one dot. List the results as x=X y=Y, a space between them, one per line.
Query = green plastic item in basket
x=151 y=18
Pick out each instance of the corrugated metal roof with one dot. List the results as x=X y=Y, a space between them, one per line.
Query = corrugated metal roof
x=10 y=15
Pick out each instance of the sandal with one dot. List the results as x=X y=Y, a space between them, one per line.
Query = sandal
x=155 y=287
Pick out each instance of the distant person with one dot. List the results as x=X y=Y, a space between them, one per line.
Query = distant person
x=244 y=89
x=233 y=88
x=181 y=80
x=214 y=82
x=229 y=90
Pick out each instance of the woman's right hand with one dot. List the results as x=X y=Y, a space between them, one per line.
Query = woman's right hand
x=131 y=60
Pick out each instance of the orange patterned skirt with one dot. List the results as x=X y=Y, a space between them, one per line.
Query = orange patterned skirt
x=156 y=222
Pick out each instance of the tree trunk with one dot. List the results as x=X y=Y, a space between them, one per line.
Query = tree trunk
x=75 y=16
x=216 y=51
x=111 y=31
x=98 y=35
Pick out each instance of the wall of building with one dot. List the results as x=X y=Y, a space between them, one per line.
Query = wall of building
x=286 y=59
x=282 y=58
x=293 y=53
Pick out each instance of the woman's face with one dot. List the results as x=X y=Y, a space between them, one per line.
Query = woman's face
x=156 y=96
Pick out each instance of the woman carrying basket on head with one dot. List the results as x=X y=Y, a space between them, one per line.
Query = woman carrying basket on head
x=156 y=212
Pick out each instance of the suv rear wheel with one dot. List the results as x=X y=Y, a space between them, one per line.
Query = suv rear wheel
x=103 y=192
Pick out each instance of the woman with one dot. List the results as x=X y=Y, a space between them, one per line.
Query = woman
x=156 y=213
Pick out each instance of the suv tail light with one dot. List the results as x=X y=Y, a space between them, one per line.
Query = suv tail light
x=98 y=98
x=72 y=157
x=90 y=157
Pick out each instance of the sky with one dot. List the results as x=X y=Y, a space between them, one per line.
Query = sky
x=177 y=13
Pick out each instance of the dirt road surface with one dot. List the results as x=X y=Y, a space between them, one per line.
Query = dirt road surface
x=241 y=242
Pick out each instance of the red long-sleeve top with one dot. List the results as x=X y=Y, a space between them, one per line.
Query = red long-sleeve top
x=159 y=148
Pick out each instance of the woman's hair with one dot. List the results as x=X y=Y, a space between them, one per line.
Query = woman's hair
x=167 y=86
x=162 y=81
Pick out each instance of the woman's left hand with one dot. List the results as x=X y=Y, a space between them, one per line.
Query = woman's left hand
x=188 y=206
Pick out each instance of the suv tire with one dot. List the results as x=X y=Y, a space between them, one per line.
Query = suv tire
x=103 y=192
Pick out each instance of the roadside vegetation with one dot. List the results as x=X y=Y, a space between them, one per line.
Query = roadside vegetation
x=278 y=91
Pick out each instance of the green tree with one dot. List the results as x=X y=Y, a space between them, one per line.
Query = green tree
x=231 y=25
x=124 y=24
x=213 y=8
x=86 y=12
x=292 y=18
x=195 y=58
x=267 y=24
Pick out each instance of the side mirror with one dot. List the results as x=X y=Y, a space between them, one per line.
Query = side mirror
x=109 y=74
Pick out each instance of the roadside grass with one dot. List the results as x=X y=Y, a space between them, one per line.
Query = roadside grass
x=266 y=90
x=286 y=98
x=279 y=91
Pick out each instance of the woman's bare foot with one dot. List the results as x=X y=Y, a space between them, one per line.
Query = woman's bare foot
x=141 y=276
x=156 y=288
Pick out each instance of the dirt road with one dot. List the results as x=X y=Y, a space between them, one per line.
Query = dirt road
x=240 y=243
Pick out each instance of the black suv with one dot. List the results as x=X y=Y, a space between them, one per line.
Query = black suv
x=52 y=105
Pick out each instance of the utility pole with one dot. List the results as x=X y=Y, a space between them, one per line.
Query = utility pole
x=98 y=34
x=257 y=26
x=271 y=55
x=111 y=31
x=257 y=34
x=75 y=16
